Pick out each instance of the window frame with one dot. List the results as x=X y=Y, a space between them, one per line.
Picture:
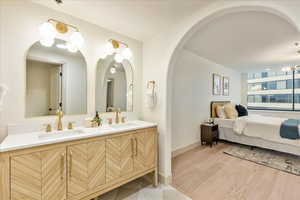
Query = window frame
x=274 y=109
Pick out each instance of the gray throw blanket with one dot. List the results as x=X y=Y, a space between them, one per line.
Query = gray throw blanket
x=289 y=129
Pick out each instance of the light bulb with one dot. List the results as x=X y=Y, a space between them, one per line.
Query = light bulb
x=72 y=48
x=76 y=39
x=47 y=42
x=286 y=69
x=113 y=70
x=109 y=48
x=47 y=30
x=119 y=58
x=126 y=53
x=61 y=46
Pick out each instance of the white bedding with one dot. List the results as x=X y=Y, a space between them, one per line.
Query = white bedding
x=257 y=126
x=225 y=123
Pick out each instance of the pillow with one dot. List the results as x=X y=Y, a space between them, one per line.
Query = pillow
x=220 y=112
x=242 y=110
x=230 y=111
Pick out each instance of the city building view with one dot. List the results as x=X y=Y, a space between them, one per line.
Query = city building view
x=274 y=90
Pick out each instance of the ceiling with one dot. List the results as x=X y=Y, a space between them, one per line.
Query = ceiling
x=247 y=41
x=139 y=19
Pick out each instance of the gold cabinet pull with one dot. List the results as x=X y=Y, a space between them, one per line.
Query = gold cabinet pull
x=70 y=163
x=136 y=147
x=62 y=167
x=132 y=147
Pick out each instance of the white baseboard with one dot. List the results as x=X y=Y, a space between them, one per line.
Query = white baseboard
x=185 y=149
x=165 y=180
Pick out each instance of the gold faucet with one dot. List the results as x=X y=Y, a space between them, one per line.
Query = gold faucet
x=118 y=112
x=48 y=128
x=60 y=115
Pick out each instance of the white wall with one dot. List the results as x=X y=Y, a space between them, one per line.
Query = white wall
x=192 y=94
x=19 y=21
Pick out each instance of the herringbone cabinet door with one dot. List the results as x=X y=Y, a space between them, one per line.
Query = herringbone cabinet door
x=39 y=176
x=77 y=169
x=54 y=174
x=150 y=148
x=119 y=157
x=126 y=154
x=26 y=177
x=139 y=159
x=96 y=164
x=113 y=158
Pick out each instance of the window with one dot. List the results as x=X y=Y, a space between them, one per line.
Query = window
x=274 y=90
x=281 y=85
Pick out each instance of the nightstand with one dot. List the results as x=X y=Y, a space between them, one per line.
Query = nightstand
x=209 y=134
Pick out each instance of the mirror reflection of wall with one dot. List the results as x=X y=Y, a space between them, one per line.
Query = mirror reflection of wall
x=55 y=78
x=113 y=86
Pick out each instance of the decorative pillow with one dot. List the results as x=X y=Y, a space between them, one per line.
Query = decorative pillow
x=242 y=110
x=230 y=111
x=220 y=112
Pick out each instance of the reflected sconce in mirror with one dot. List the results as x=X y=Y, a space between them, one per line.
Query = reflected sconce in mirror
x=52 y=27
x=120 y=49
x=290 y=68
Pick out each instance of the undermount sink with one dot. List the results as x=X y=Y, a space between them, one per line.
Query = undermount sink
x=97 y=129
x=124 y=125
x=59 y=134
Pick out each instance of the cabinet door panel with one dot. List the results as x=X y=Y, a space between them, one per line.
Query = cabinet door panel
x=113 y=158
x=139 y=159
x=26 y=179
x=77 y=169
x=96 y=164
x=39 y=176
x=126 y=154
x=150 y=148
x=54 y=174
x=119 y=157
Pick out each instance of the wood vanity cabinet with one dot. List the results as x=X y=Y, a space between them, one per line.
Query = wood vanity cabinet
x=86 y=167
x=77 y=170
x=39 y=175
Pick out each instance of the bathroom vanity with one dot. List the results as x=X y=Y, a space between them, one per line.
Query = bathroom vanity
x=77 y=165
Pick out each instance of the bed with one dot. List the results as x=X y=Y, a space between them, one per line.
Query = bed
x=261 y=131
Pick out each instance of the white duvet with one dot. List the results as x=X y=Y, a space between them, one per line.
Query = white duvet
x=267 y=128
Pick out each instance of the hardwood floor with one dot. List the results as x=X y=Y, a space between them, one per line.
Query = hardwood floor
x=206 y=173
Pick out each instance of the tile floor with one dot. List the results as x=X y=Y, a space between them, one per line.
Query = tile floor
x=142 y=190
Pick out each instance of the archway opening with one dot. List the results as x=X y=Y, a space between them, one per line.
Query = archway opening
x=229 y=44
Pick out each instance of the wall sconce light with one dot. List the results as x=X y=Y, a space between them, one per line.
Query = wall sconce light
x=290 y=68
x=49 y=32
x=120 y=49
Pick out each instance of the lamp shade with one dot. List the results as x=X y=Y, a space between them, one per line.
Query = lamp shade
x=109 y=48
x=76 y=39
x=126 y=53
x=48 y=42
x=119 y=58
x=47 y=30
x=71 y=48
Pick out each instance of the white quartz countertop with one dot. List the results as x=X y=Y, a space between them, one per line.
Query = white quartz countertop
x=27 y=140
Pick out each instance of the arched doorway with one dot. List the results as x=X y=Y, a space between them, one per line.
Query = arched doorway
x=190 y=33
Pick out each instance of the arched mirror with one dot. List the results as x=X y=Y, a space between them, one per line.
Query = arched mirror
x=114 y=86
x=55 y=79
